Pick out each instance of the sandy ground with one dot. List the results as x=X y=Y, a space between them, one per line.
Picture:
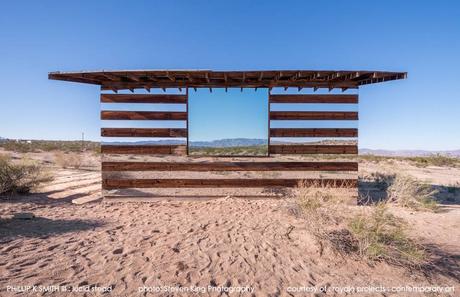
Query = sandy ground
x=445 y=176
x=253 y=245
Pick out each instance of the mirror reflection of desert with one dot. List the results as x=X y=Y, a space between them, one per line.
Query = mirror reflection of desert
x=401 y=227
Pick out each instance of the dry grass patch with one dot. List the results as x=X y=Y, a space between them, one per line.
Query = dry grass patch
x=408 y=192
x=324 y=209
x=435 y=160
x=405 y=191
x=68 y=160
x=382 y=236
x=375 y=158
x=20 y=178
x=369 y=233
x=320 y=201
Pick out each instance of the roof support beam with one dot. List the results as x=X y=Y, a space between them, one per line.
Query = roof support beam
x=132 y=77
x=110 y=76
x=169 y=76
x=147 y=79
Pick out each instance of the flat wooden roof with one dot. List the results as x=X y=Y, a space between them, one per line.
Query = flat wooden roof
x=147 y=79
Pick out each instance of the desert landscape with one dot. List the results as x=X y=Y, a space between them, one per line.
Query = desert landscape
x=229 y=148
x=62 y=239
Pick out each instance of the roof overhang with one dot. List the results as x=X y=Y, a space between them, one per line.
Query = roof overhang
x=148 y=79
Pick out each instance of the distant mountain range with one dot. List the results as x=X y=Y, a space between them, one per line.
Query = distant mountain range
x=231 y=142
x=235 y=142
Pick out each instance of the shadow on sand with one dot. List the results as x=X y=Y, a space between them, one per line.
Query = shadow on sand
x=42 y=227
x=371 y=192
x=441 y=262
x=42 y=198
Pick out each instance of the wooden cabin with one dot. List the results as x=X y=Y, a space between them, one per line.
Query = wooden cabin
x=170 y=170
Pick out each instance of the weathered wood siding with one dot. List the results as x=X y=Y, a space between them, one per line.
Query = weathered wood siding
x=169 y=166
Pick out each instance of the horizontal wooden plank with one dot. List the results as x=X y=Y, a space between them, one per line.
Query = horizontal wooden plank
x=313 y=115
x=110 y=184
x=143 y=98
x=313 y=132
x=144 y=149
x=143 y=132
x=312 y=149
x=314 y=98
x=143 y=115
x=230 y=166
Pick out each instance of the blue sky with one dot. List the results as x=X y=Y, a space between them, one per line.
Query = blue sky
x=234 y=114
x=420 y=37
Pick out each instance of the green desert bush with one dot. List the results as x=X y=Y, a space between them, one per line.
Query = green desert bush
x=49 y=145
x=381 y=236
x=419 y=161
x=435 y=160
x=256 y=150
x=20 y=177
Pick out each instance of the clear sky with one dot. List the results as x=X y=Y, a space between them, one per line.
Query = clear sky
x=234 y=114
x=420 y=37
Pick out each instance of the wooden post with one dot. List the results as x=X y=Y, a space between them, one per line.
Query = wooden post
x=101 y=154
x=268 y=115
x=187 y=123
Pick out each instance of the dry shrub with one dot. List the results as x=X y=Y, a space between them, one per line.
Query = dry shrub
x=319 y=200
x=374 y=158
x=408 y=192
x=405 y=191
x=68 y=159
x=381 y=236
x=321 y=206
x=375 y=235
x=20 y=178
x=382 y=180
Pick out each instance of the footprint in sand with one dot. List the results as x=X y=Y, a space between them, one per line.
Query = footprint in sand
x=52 y=247
x=175 y=248
x=181 y=266
x=117 y=251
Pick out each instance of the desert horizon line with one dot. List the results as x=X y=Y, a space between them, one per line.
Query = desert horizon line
x=166 y=141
